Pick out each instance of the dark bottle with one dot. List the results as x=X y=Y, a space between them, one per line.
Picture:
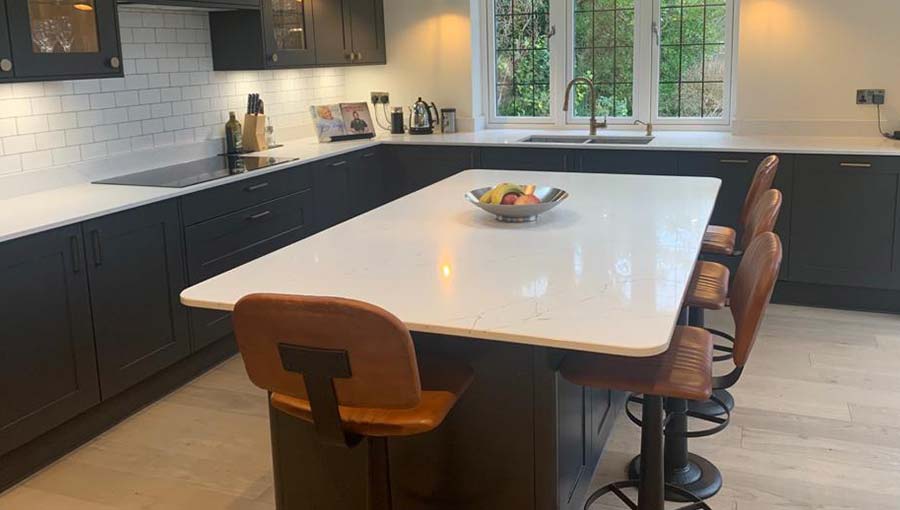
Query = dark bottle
x=233 y=135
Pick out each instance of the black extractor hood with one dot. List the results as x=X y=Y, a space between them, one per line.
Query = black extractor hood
x=199 y=4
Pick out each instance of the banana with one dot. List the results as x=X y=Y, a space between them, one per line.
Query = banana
x=502 y=190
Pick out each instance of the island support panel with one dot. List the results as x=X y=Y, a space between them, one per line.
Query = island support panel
x=520 y=438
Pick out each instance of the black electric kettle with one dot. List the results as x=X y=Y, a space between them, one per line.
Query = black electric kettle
x=421 y=120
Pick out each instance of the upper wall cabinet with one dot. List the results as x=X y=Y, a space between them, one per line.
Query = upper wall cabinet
x=292 y=33
x=200 y=4
x=59 y=39
x=349 y=32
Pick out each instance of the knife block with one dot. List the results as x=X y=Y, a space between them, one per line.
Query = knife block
x=254 y=134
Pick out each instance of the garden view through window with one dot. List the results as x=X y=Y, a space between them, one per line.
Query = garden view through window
x=684 y=74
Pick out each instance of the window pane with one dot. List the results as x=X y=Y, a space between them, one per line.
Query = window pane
x=693 y=63
x=522 y=58
x=604 y=42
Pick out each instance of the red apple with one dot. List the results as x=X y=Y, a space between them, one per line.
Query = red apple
x=509 y=199
x=527 y=199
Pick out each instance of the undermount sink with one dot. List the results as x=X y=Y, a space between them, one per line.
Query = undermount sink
x=587 y=139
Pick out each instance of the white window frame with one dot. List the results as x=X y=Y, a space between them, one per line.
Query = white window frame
x=562 y=68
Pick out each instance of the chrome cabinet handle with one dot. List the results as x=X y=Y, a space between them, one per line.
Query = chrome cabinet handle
x=369 y=155
x=259 y=216
x=115 y=63
x=734 y=161
x=6 y=65
x=274 y=57
x=856 y=165
x=256 y=187
x=339 y=163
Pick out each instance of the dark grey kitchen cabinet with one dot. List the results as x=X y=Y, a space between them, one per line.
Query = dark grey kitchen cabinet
x=366 y=181
x=607 y=161
x=412 y=168
x=56 y=40
x=280 y=34
x=201 y=4
x=331 y=189
x=136 y=272
x=48 y=367
x=844 y=221
x=6 y=63
x=551 y=160
x=349 y=31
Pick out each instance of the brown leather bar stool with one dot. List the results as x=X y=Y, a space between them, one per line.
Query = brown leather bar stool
x=749 y=296
x=350 y=369
x=722 y=240
x=684 y=371
x=708 y=289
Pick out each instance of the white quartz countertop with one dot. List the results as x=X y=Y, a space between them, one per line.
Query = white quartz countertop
x=79 y=201
x=605 y=271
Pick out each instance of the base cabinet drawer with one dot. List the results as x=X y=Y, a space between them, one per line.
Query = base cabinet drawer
x=605 y=161
x=548 y=160
x=223 y=243
x=48 y=369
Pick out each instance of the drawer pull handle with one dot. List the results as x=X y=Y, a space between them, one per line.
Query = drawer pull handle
x=856 y=165
x=256 y=187
x=259 y=216
x=339 y=163
x=98 y=248
x=734 y=161
x=369 y=155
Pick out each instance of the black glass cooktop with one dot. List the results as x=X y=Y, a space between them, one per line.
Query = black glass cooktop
x=195 y=172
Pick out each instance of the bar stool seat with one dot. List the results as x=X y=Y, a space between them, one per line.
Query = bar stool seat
x=708 y=288
x=442 y=385
x=719 y=240
x=683 y=371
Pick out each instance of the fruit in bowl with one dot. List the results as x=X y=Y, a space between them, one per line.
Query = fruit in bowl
x=510 y=194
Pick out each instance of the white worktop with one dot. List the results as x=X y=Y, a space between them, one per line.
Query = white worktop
x=65 y=196
x=605 y=271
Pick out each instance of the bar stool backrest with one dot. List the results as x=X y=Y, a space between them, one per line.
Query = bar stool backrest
x=282 y=337
x=752 y=290
x=762 y=180
x=762 y=216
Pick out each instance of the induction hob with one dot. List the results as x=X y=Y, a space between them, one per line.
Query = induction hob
x=195 y=172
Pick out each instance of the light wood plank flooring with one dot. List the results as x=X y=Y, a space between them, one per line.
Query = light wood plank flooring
x=817 y=427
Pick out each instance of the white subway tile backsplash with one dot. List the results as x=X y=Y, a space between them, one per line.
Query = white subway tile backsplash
x=169 y=95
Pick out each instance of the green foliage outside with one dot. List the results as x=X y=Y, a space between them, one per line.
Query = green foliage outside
x=692 y=57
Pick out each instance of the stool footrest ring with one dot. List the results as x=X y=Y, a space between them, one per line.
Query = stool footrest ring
x=695 y=503
x=721 y=423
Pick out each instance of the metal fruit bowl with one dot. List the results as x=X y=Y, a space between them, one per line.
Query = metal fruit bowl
x=550 y=198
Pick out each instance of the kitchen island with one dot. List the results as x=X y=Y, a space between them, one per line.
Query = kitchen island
x=605 y=272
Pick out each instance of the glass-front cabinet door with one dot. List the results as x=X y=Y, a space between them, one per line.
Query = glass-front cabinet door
x=64 y=38
x=289 y=34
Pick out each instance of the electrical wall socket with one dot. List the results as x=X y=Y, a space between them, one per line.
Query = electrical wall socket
x=380 y=97
x=870 y=96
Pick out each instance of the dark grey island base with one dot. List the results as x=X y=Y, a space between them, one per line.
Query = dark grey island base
x=520 y=438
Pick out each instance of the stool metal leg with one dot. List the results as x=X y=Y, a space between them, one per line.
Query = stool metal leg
x=683 y=469
x=651 y=485
x=378 y=490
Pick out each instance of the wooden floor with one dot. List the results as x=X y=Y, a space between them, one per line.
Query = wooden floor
x=817 y=427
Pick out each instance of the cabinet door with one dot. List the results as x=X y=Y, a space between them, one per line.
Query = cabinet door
x=333 y=39
x=6 y=63
x=136 y=274
x=549 y=160
x=606 y=161
x=413 y=168
x=844 y=221
x=64 y=39
x=331 y=191
x=289 y=33
x=47 y=364
x=366 y=181
x=367 y=31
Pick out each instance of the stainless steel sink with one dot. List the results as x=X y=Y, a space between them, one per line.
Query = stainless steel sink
x=586 y=139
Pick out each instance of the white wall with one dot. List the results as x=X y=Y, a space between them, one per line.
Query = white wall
x=799 y=62
x=169 y=96
x=432 y=52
